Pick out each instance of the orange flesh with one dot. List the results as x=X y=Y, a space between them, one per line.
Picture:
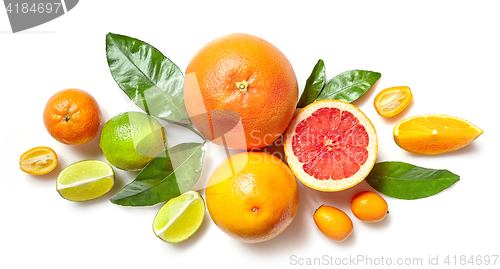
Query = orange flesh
x=434 y=134
x=38 y=161
x=330 y=144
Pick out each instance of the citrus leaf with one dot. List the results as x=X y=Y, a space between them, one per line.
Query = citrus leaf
x=314 y=85
x=349 y=86
x=406 y=181
x=171 y=173
x=150 y=80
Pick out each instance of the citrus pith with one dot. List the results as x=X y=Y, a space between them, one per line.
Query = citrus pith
x=240 y=91
x=331 y=145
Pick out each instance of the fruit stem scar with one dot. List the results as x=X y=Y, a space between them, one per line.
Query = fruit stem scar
x=66 y=118
x=255 y=210
x=242 y=86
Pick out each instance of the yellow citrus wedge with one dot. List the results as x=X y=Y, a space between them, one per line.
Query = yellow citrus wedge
x=434 y=134
x=391 y=101
x=180 y=217
x=85 y=180
x=38 y=161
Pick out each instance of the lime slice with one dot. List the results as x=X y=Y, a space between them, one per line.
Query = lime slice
x=85 y=180
x=180 y=217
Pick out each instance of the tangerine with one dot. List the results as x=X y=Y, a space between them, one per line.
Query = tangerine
x=333 y=222
x=252 y=196
x=72 y=117
x=240 y=91
x=369 y=206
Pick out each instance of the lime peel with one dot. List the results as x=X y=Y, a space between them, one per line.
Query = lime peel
x=80 y=187
x=189 y=200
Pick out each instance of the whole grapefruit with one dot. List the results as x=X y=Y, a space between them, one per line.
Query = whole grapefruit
x=252 y=196
x=240 y=91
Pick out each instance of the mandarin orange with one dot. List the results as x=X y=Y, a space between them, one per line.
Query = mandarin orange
x=72 y=117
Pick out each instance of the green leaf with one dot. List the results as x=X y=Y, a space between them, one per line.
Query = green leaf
x=349 y=85
x=149 y=79
x=168 y=175
x=406 y=181
x=314 y=85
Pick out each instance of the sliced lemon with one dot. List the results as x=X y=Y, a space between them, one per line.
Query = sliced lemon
x=38 y=161
x=391 y=101
x=180 y=217
x=85 y=180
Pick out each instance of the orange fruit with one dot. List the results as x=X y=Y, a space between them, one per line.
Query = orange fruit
x=369 y=206
x=391 y=101
x=252 y=196
x=240 y=91
x=331 y=145
x=434 y=134
x=72 y=117
x=333 y=222
x=38 y=161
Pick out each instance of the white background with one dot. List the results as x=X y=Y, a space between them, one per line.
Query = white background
x=447 y=52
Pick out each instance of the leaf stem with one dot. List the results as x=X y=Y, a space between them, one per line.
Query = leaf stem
x=195 y=131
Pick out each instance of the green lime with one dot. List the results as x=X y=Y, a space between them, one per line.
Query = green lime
x=130 y=140
x=85 y=180
x=180 y=217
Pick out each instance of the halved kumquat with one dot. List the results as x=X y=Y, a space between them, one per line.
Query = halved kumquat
x=38 y=161
x=392 y=101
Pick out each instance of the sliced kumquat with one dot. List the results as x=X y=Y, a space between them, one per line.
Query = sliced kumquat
x=392 y=101
x=38 y=161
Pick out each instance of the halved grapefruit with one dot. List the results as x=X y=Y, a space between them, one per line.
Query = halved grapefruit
x=331 y=145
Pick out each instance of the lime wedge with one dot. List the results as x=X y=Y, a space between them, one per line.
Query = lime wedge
x=180 y=217
x=85 y=180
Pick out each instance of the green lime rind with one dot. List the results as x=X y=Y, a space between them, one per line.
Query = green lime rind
x=130 y=140
x=85 y=180
x=179 y=218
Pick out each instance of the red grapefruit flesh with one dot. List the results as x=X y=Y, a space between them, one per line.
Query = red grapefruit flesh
x=331 y=145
